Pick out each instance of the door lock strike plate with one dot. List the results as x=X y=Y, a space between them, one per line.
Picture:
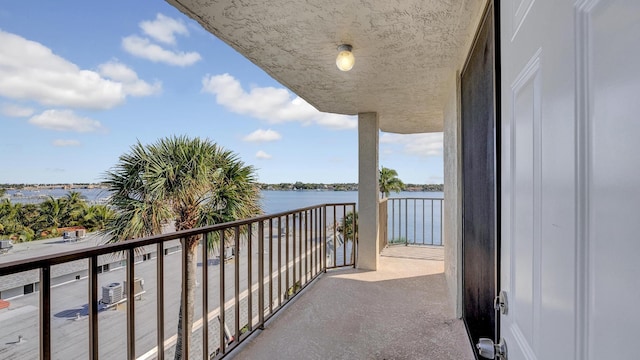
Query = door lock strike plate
x=500 y=303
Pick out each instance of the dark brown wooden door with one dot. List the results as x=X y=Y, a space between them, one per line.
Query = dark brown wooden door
x=479 y=189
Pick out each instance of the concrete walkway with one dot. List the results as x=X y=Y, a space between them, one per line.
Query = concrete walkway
x=399 y=312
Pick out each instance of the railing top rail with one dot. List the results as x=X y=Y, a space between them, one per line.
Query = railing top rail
x=16 y=266
x=414 y=198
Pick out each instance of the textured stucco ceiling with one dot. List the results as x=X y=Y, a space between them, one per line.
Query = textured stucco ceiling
x=407 y=51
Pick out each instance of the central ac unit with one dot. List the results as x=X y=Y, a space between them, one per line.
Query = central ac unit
x=112 y=293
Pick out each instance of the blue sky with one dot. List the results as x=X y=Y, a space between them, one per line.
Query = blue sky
x=81 y=81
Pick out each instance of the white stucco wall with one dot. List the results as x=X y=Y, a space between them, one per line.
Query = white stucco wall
x=452 y=226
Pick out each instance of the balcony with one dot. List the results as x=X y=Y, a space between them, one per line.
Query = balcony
x=400 y=311
x=261 y=266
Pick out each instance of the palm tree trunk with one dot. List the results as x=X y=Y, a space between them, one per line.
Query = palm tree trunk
x=192 y=262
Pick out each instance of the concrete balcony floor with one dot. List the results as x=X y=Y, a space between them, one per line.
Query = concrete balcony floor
x=401 y=311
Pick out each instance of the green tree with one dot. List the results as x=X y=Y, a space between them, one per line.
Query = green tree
x=52 y=212
x=14 y=221
x=26 y=222
x=97 y=217
x=191 y=182
x=74 y=208
x=389 y=181
x=349 y=225
x=23 y=234
x=29 y=215
x=8 y=218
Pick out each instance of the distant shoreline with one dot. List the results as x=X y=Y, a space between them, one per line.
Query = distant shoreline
x=297 y=186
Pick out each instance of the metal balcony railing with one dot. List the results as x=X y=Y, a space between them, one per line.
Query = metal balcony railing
x=414 y=221
x=259 y=266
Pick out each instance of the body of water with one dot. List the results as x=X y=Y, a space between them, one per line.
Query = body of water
x=93 y=196
x=409 y=221
x=278 y=201
x=273 y=201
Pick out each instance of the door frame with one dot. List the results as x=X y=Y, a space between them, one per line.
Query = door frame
x=495 y=6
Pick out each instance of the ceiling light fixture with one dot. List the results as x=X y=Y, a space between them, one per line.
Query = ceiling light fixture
x=345 y=59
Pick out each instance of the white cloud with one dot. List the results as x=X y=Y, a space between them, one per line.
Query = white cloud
x=263 y=136
x=427 y=144
x=65 y=120
x=64 y=143
x=164 y=28
x=143 y=48
x=29 y=70
x=118 y=72
x=132 y=85
x=274 y=105
x=263 y=155
x=12 y=110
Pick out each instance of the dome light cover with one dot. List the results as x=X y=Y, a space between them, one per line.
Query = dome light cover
x=345 y=59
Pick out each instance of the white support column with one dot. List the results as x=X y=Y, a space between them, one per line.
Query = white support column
x=452 y=227
x=368 y=194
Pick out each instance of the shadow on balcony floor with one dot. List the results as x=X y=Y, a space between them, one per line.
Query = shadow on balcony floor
x=399 y=312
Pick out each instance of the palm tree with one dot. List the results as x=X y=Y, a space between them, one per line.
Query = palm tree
x=389 y=182
x=191 y=182
x=12 y=218
x=75 y=208
x=29 y=216
x=52 y=212
x=96 y=217
x=348 y=225
x=7 y=217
